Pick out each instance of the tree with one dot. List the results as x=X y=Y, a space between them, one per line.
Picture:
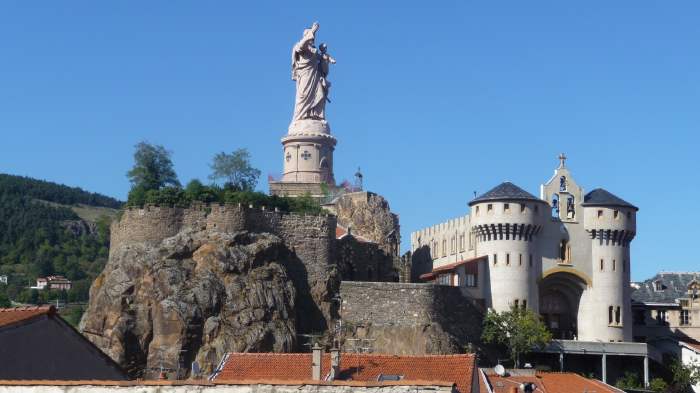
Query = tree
x=235 y=170
x=153 y=168
x=684 y=375
x=520 y=330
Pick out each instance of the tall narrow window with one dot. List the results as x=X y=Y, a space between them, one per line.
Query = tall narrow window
x=489 y=208
x=618 y=315
x=508 y=259
x=506 y=207
x=562 y=183
x=524 y=304
x=570 y=207
x=516 y=303
x=602 y=265
x=610 y=315
x=495 y=259
x=520 y=259
x=477 y=210
x=685 y=317
x=522 y=207
x=555 y=206
x=614 y=265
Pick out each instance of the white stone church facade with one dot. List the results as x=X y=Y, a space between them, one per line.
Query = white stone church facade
x=564 y=255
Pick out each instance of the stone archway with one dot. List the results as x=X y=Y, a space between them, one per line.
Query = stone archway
x=560 y=295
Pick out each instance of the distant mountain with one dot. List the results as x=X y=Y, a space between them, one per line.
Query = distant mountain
x=48 y=228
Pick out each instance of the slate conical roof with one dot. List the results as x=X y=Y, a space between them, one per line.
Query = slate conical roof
x=505 y=191
x=601 y=197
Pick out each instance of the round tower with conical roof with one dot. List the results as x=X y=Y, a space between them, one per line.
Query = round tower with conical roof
x=611 y=224
x=506 y=221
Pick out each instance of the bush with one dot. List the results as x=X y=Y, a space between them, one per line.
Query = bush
x=658 y=385
x=195 y=191
x=629 y=381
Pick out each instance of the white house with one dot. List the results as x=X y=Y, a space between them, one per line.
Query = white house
x=690 y=353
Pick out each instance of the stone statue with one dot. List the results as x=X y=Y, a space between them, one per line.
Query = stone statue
x=310 y=68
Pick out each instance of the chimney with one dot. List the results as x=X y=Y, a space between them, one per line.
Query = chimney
x=335 y=364
x=316 y=352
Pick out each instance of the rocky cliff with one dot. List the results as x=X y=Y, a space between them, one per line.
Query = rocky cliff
x=192 y=296
x=369 y=216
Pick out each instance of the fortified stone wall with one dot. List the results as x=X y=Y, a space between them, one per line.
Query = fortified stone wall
x=405 y=318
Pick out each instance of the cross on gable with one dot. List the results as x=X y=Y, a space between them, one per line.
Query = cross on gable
x=305 y=155
x=562 y=159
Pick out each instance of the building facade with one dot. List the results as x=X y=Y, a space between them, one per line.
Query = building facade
x=667 y=306
x=565 y=255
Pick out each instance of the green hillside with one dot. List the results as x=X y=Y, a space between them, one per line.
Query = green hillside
x=47 y=228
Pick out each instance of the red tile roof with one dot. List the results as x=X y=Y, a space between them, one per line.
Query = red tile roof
x=449 y=267
x=341 y=232
x=9 y=316
x=452 y=369
x=549 y=383
x=692 y=345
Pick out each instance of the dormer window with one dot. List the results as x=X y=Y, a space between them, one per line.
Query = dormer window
x=658 y=286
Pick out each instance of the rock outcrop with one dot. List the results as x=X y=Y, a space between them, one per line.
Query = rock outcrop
x=192 y=296
x=369 y=216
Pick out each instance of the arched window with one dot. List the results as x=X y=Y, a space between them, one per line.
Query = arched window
x=570 y=207
x=555 y=206
x=562 y=183
x=563 y=250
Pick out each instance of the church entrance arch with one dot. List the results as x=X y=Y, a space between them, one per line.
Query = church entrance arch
x=560 y=295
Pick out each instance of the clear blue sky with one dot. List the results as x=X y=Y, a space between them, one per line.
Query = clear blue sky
x=433 y=100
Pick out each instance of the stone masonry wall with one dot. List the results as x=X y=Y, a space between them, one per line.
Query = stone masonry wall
x=405 y=318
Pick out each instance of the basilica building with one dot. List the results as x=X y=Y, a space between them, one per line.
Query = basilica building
x=564 y=255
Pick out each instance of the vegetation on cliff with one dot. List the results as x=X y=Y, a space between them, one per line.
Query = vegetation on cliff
x=154 y=181
x=41 y=234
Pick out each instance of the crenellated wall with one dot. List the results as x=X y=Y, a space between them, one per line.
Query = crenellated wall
x=152 y=224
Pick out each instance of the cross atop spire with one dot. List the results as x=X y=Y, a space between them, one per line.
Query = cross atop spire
x=562 y=160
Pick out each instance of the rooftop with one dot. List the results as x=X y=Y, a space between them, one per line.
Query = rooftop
x=505 y=191
x=547 y=383
x=450 y=267
x=280 y=367
x=601 y=197
x=674 y=285
x=11 y=316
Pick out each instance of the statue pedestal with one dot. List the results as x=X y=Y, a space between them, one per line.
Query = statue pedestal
x=309 y=127
x=308 y=159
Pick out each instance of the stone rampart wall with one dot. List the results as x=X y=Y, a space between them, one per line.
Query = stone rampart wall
x=406 y=318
